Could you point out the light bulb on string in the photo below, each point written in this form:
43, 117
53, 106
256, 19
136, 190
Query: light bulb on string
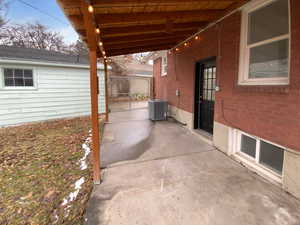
91, 9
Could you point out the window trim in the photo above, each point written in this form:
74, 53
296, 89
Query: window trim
163, 66
13, 88
243, 78
254, 162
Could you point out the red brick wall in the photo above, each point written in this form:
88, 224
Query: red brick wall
269, 112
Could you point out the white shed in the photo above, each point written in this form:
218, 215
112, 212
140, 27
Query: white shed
38, 85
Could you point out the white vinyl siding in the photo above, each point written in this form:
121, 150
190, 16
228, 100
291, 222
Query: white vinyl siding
60, 92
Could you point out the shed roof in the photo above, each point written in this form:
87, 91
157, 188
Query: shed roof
21, 53
131, 26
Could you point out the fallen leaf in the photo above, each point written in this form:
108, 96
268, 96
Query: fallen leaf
27, 196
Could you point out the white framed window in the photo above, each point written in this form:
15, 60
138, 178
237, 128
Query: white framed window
266, 155
17, 78
164, 65
265, 43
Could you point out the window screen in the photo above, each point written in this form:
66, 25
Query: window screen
18, 77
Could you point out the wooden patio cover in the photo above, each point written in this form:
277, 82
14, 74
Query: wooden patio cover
133, 26
119, 27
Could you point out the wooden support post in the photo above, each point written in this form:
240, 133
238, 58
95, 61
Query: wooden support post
94, 117
106, 93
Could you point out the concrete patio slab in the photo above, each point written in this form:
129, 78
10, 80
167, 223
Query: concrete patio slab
185, 183
132, 136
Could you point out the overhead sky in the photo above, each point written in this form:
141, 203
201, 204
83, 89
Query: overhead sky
19, 12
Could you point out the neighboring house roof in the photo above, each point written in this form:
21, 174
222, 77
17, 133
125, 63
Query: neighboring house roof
156, 54
20, 53
31, 56
136, 68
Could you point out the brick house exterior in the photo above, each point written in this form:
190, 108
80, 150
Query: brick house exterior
267, 112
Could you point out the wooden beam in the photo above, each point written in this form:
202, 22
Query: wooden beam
78, 22
133, 38
106, 92
148, 39
107, 3
139, 50
94, 116
170, 40
137, 3
144, 29
89, 26
139, 35
144, 6
111, 20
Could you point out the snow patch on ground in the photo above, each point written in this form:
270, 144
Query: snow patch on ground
83, 165
87, 151
72, 196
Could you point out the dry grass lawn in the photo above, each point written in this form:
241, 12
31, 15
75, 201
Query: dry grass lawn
39, 166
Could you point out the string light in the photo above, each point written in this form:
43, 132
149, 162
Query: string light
100, 43
103, 52
91, 9
177, 49
97, 30
185, 44
196, 38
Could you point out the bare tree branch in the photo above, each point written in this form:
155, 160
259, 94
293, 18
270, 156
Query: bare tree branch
3, 7
32, 36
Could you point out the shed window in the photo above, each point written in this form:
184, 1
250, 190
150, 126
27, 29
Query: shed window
265, 43
18, 77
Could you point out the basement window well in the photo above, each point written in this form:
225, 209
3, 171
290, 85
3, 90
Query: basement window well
261, 154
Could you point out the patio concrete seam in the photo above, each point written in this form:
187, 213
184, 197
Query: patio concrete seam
155, 159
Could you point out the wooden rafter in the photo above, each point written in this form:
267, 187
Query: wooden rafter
111, 20
136, 23
152, 47
139, 44
147, 37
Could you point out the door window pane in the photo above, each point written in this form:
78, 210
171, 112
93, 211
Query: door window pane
271, 156
268, 22
248, 145
269, 60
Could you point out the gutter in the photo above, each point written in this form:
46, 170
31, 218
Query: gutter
53, 64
